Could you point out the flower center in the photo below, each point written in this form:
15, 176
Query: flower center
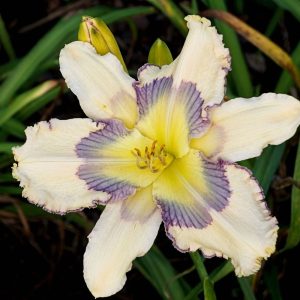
154, 158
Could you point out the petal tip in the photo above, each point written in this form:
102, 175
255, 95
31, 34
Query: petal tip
195, 18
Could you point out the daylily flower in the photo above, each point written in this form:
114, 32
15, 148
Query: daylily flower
159, 149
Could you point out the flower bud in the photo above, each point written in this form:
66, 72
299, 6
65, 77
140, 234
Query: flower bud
160, 54
96, 32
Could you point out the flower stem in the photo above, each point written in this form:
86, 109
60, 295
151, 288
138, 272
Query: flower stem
198, 262
209, 293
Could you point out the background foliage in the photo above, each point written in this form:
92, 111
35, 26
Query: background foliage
41, 253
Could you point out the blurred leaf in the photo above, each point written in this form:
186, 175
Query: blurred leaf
38, 103
277, 16
5, 160
246, 288
32, 211
6, 147
53, 41
273, 154
6, 68
277, 54
239, 73
173, 12
5, 40
6, 177
26, 98
267, 164
160, 273
293, 238
285, 81
10, 190
216, 275
293, 6
194, 7
271, 279
222, 271
239, 69
15, 128
45, 47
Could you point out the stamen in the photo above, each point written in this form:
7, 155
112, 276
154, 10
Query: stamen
153, 147
138, 152
153, 159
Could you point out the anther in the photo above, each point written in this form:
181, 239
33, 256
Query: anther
138, 152
152, 158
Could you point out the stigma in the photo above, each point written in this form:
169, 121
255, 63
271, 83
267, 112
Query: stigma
154, 158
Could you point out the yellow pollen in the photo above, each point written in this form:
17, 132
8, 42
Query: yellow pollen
153, 158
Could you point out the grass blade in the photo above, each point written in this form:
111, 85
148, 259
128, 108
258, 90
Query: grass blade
267, 164
173, 12
293, 238
216, 275
53, 41
5, 40
285, 81
269, 48
208, 287
209, 292
293, 6
239, 73
15, 128
7, 177
6, 147
46, 46
271, 279
26, 98
246, 288
158, 270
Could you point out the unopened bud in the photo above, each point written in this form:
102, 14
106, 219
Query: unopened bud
96, 32
160, 54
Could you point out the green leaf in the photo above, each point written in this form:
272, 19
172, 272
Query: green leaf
11, 190
160, 273
53, 41
198, 262
194, 7
209, 292
38, 103
222, 271
293, 6
293, 238
26, 98
6, 147
239, 73
216, 275
246, 288
285, 81
276, 18
271, 280
5, 41
45, 47
6, 177
267, 164
173, 12
208, 287
14, 128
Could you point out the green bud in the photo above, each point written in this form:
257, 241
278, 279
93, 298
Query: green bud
96, 32
160, 54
